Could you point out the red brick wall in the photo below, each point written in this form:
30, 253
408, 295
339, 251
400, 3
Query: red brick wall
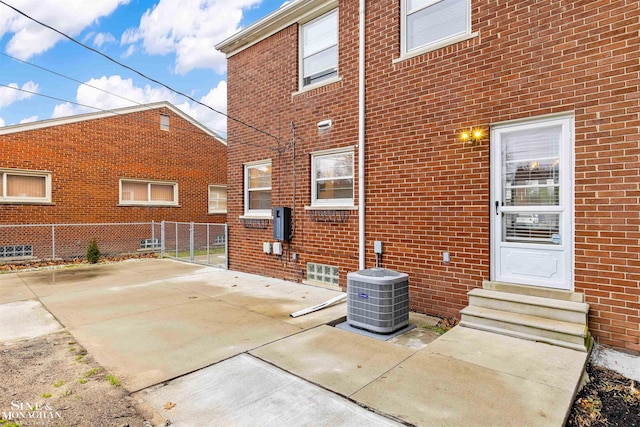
87, 159
427, 192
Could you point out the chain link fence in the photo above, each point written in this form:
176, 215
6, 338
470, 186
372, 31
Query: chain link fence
201, 243
195, 242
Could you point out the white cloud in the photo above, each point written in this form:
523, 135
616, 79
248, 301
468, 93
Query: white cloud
8, 96
216, 98
130, 50
29, 119
102, 38
70, 16
1, 122
190, 30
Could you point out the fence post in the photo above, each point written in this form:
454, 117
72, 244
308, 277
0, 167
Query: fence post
191, 241
226, 246
208, 250
162, 236
177, 239
53, 241
153, 235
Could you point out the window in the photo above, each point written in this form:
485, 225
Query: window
319, 44
320, 273
432, 23
16, 251
217, 199
25, 186
332, 178
136, 192
257, 186
164, 122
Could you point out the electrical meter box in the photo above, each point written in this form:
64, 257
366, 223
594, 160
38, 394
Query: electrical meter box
282, 223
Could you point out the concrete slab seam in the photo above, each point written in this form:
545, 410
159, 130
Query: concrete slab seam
349, 398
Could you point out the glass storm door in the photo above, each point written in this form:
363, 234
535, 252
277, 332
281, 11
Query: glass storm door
532, 203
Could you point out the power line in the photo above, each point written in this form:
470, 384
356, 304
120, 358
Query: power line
81, 83
140, 73
115, 112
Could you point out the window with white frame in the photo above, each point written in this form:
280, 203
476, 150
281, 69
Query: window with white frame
217, 199
431, 23
319, 49
257, 188
140, 192
332, 178
25, 186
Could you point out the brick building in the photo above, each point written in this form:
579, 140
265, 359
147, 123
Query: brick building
136, 164
477, 140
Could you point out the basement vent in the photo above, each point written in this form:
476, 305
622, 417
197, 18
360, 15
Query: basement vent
16, 251
378, 300
325, 274
150, 244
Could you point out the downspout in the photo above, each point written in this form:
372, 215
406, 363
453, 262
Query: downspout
361, 128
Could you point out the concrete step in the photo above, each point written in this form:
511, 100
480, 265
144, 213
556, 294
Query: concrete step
533, 291
548, 308
555, 332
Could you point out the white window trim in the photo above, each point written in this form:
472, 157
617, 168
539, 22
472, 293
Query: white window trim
214, 211
35, 200
148, 202
301, 86
456, 38
256, 213
331, 203
165, 126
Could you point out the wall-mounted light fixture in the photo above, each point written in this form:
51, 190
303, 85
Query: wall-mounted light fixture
472, 136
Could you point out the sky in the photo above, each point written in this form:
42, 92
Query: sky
44, 75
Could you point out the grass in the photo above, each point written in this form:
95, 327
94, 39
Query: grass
58, 383
91, 372
113, 380
46, 395
435, 328
5, 423
198, 252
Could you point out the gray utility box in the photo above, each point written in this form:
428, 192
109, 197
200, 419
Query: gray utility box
378, 300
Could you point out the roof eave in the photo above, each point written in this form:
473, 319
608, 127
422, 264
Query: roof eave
296, 11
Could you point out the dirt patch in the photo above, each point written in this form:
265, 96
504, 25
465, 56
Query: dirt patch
39, 264
608, 399
52, 381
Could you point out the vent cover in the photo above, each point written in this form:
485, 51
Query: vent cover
378, 300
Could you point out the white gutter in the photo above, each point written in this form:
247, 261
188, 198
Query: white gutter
361, 128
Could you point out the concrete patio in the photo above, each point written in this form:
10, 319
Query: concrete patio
222, 346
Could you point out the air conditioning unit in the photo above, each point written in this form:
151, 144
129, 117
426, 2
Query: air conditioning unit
378, 300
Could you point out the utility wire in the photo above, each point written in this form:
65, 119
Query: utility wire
81, 83
115, 112
140, 73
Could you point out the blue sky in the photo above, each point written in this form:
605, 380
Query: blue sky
171, 41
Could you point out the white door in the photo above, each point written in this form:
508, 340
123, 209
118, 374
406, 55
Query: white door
532, 202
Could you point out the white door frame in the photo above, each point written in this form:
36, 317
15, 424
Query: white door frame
567, 247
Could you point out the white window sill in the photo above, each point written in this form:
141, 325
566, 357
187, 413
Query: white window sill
148, 205
435, 46
317, 85
248, 216
330, 208
26, 202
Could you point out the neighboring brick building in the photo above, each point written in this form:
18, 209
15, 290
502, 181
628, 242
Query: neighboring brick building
546, 195
136, 164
